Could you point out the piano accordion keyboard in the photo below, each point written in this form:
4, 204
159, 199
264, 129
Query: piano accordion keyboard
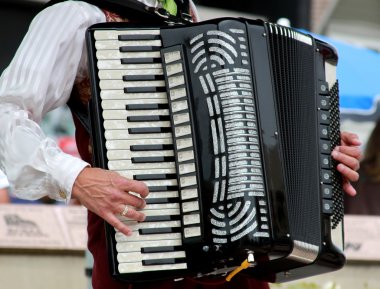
139, 145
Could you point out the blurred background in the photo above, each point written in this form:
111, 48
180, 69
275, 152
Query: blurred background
55, 236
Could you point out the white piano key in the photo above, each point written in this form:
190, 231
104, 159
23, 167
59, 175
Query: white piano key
123, 114
120, 104
127, 155
134, 154
165, 194
161, 212
150, 183
192, 232
120, 165
110, 50
121, 84
129, 173
138, 267
118, 138
163, 206
153, 213
115, 94
117, 135
114, 45
135, 226
122, 247
120, 237
116, 64
125, 144
114, 33
124, 124
118, 74
191, 219
138, 257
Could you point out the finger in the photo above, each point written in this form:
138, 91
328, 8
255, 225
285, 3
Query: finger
349, 138
351, 151
134, 201
348, 188
118, 225
135, 186
348, 173
131, 214
347, 160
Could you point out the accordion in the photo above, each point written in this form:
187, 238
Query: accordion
230, 123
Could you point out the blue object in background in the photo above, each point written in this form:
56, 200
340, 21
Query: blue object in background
358, 73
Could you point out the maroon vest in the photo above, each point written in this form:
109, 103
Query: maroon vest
101, 277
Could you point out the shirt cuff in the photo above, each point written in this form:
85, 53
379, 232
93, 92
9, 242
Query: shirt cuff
64, 173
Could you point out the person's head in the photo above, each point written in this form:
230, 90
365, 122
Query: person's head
371, 158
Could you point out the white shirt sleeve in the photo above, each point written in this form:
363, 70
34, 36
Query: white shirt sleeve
51, 57
3, 181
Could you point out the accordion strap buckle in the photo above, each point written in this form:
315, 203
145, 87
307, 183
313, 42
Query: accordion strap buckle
249, 262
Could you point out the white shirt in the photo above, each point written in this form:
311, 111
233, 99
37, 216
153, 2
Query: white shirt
50, 59
3, 181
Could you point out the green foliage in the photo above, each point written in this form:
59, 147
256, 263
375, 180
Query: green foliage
170, 6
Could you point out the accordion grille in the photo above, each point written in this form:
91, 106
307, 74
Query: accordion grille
293, 66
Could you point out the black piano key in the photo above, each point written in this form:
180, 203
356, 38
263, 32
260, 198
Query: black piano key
125, 37
150, 201
143, 77
147, 106
166, 218
152, 231
163, 261
145, 60
162, 188
147, 177
137, 160
139, 148
138, 48
146, 118
161, 249
144, 89
145, 130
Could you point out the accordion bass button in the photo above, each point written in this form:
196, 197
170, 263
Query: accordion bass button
327, 206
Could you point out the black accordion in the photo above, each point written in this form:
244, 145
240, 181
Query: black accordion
230, 123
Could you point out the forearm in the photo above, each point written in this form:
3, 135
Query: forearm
34, 164
50, 59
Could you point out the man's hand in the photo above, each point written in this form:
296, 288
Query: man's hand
348, 155
106, 193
